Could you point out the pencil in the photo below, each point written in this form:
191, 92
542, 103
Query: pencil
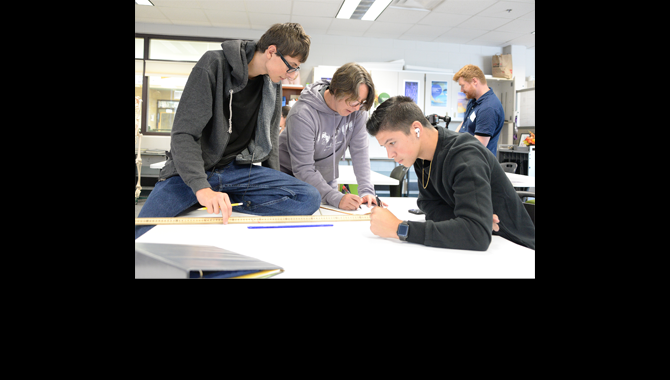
234, 204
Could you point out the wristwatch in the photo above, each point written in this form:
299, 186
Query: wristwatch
403, 230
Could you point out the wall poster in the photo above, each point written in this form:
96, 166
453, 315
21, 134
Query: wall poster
438, 93
461, 106
412, 90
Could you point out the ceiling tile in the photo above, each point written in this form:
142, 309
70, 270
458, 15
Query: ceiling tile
343, 27
316, 9
479, 22
404, 16
443, 19
527, 40
176, 3
519, 26
266, 20
184, 14
313, 25
223, 5
482, 22
149, 12
386, 30
494, 38
499, 9
349, 25
464, 7
423, 32
153, 20
279, 7
459, 36
232, 19
529, 15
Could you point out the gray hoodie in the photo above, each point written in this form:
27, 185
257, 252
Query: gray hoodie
307, 151
200, 132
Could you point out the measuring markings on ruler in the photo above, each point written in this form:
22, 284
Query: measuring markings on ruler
253, 219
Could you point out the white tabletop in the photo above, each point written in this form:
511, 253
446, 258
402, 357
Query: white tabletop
519, 180
157, 165
347, 177
350, 250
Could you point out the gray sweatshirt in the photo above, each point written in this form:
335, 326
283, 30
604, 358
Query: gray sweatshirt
201, 133
315, 140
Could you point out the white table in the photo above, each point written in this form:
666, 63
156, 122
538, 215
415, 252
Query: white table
158, 165
350, 250
347, 177
519, 180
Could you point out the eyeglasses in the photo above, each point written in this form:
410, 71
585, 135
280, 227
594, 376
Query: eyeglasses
291, 69
356, 104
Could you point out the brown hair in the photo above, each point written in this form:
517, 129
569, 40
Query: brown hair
289, 38
468, 72
346, 81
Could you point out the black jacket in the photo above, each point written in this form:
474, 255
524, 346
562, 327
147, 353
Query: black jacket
467, 186
201, 132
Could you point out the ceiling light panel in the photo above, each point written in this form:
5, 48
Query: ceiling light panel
362, 9
347, 8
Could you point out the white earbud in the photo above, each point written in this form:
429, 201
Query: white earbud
417, 131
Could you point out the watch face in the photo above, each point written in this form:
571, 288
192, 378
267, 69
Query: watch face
402, 230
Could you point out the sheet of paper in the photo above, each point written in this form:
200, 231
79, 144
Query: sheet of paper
361, 211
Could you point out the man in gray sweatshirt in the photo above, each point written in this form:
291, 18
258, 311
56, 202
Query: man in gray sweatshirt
228, 119
329, 117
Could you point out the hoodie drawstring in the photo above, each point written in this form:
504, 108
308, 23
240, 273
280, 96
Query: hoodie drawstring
230, 108
335, 162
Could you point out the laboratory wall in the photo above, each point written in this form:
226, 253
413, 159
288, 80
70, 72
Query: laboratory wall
338, 50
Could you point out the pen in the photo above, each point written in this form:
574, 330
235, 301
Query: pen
344, 188
379, 202
292, 226
234, 204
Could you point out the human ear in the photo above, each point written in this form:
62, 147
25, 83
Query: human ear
418, 128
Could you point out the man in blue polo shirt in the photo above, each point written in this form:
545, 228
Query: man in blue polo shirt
484, 115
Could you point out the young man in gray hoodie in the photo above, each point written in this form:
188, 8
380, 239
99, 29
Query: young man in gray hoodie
329, 117
228, 118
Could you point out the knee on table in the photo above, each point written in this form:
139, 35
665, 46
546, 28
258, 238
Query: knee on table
312, 197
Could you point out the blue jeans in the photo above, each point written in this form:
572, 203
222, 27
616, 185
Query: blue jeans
270, 192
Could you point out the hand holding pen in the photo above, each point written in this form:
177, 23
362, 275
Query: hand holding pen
366, 199
379, 202
215, 202
349, 201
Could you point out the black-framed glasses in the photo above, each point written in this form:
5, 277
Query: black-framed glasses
291, 69
356, 104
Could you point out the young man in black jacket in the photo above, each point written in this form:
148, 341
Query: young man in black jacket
228, 119
461, 184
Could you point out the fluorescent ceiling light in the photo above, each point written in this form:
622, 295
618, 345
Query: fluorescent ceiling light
376, 9
347, 8
144, 2
362, 9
